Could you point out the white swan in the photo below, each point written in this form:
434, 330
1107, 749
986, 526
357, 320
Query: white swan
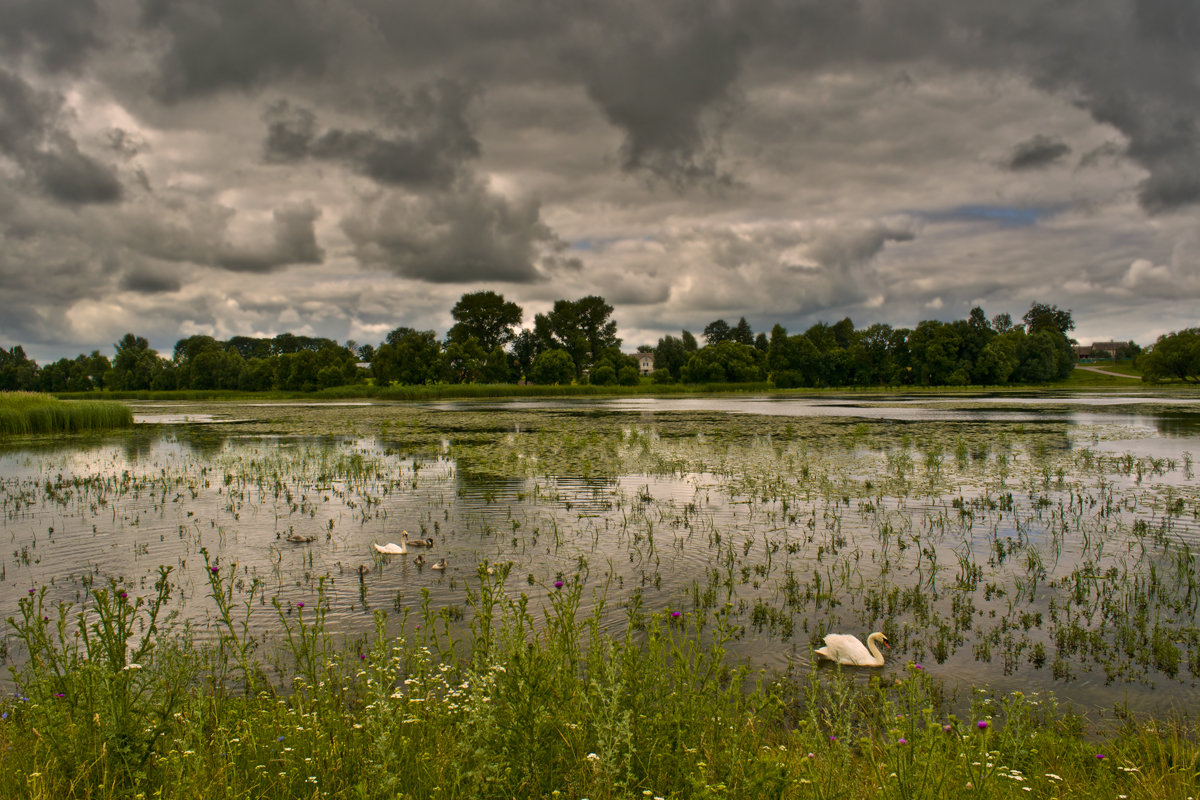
846, 649
391, 549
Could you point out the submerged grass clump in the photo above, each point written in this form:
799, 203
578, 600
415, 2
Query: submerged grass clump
23, 413
115, 701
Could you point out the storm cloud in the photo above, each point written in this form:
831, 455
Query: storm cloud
343, 168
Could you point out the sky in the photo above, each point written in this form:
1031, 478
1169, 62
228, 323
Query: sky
341, 169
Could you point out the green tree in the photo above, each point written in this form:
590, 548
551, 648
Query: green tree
727, 362
487, 317
1174, 355
582, 327
742, 333
18, 373
716, 332
408, 356
670, 355
552, 367
135, 364
1043, 317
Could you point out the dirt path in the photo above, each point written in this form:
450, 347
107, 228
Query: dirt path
1099, 371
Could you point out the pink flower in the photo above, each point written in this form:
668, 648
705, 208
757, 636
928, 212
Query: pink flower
982, 724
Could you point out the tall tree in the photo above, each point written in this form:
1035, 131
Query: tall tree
134, 364
487, 317
582, 327
742, 333
716, 332
1041, 317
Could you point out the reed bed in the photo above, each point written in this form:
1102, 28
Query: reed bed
24, 413
528, 702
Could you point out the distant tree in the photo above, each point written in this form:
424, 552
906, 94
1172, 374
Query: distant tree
843, 333
689, 341
645, 348
727, 362
408, 357
462, 361
135, 363
716, 332
487, 317
741, 333
552, 367
1174, 355
760, 342
582, 327
670, 355
249, 347
1002, 323
525, 348
17, 371
365, 352
498, 367
1043, 317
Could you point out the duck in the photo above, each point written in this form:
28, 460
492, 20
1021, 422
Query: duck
426, 542
846, 649
391, 549
296, 538
439, 564
419, 561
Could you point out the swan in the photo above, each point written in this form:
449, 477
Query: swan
846, 649
439, 564
418, 542
296, 538
419, 561
391, 549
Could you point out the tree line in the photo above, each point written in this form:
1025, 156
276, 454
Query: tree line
577, 342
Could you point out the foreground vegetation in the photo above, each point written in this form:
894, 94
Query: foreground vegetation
30, 413
114, 702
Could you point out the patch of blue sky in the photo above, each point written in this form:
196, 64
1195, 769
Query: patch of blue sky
1007, 216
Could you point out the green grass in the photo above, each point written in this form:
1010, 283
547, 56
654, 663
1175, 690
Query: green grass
23, 413
526, 703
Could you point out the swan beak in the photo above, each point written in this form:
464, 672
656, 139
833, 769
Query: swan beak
885, 644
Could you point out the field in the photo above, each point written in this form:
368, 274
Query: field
633, 591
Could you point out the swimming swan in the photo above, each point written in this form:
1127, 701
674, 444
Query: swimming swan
418, 542
846, 649
439, 564
391, 549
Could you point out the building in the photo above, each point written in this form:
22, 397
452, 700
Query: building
1108, 350
645, 363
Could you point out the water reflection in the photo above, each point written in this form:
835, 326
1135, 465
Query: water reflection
984, 542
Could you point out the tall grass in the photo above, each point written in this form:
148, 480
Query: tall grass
23, 413
526, 703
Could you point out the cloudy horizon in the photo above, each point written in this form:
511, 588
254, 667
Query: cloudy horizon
181, 167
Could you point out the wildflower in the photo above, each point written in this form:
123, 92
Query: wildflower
676, 614
129, 667
59, 694
214, 570
1053, 777
947, 728
982, 724
1099, 756
592, 757
4, 715
903, 741
299, 605
833, 738
558, 584
33, 591
363, 656
918, 666
123, 595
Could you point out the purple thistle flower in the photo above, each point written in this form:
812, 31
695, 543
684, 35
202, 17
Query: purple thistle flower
676, 614
214, 570
917, 666
903, 741
299, 605
1099, 756
947, 728
59, 694
123, 595
558, 584
833, 738
982, 724
33, 591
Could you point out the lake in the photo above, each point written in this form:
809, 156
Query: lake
1041, 542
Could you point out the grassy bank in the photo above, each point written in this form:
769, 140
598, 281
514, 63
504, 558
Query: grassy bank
30, 413
520, 702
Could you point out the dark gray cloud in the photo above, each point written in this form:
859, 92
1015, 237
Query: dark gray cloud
59, 33
230, 44
428, 137
293, 241
149, 279
462, 234
31, 135
1037, 152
